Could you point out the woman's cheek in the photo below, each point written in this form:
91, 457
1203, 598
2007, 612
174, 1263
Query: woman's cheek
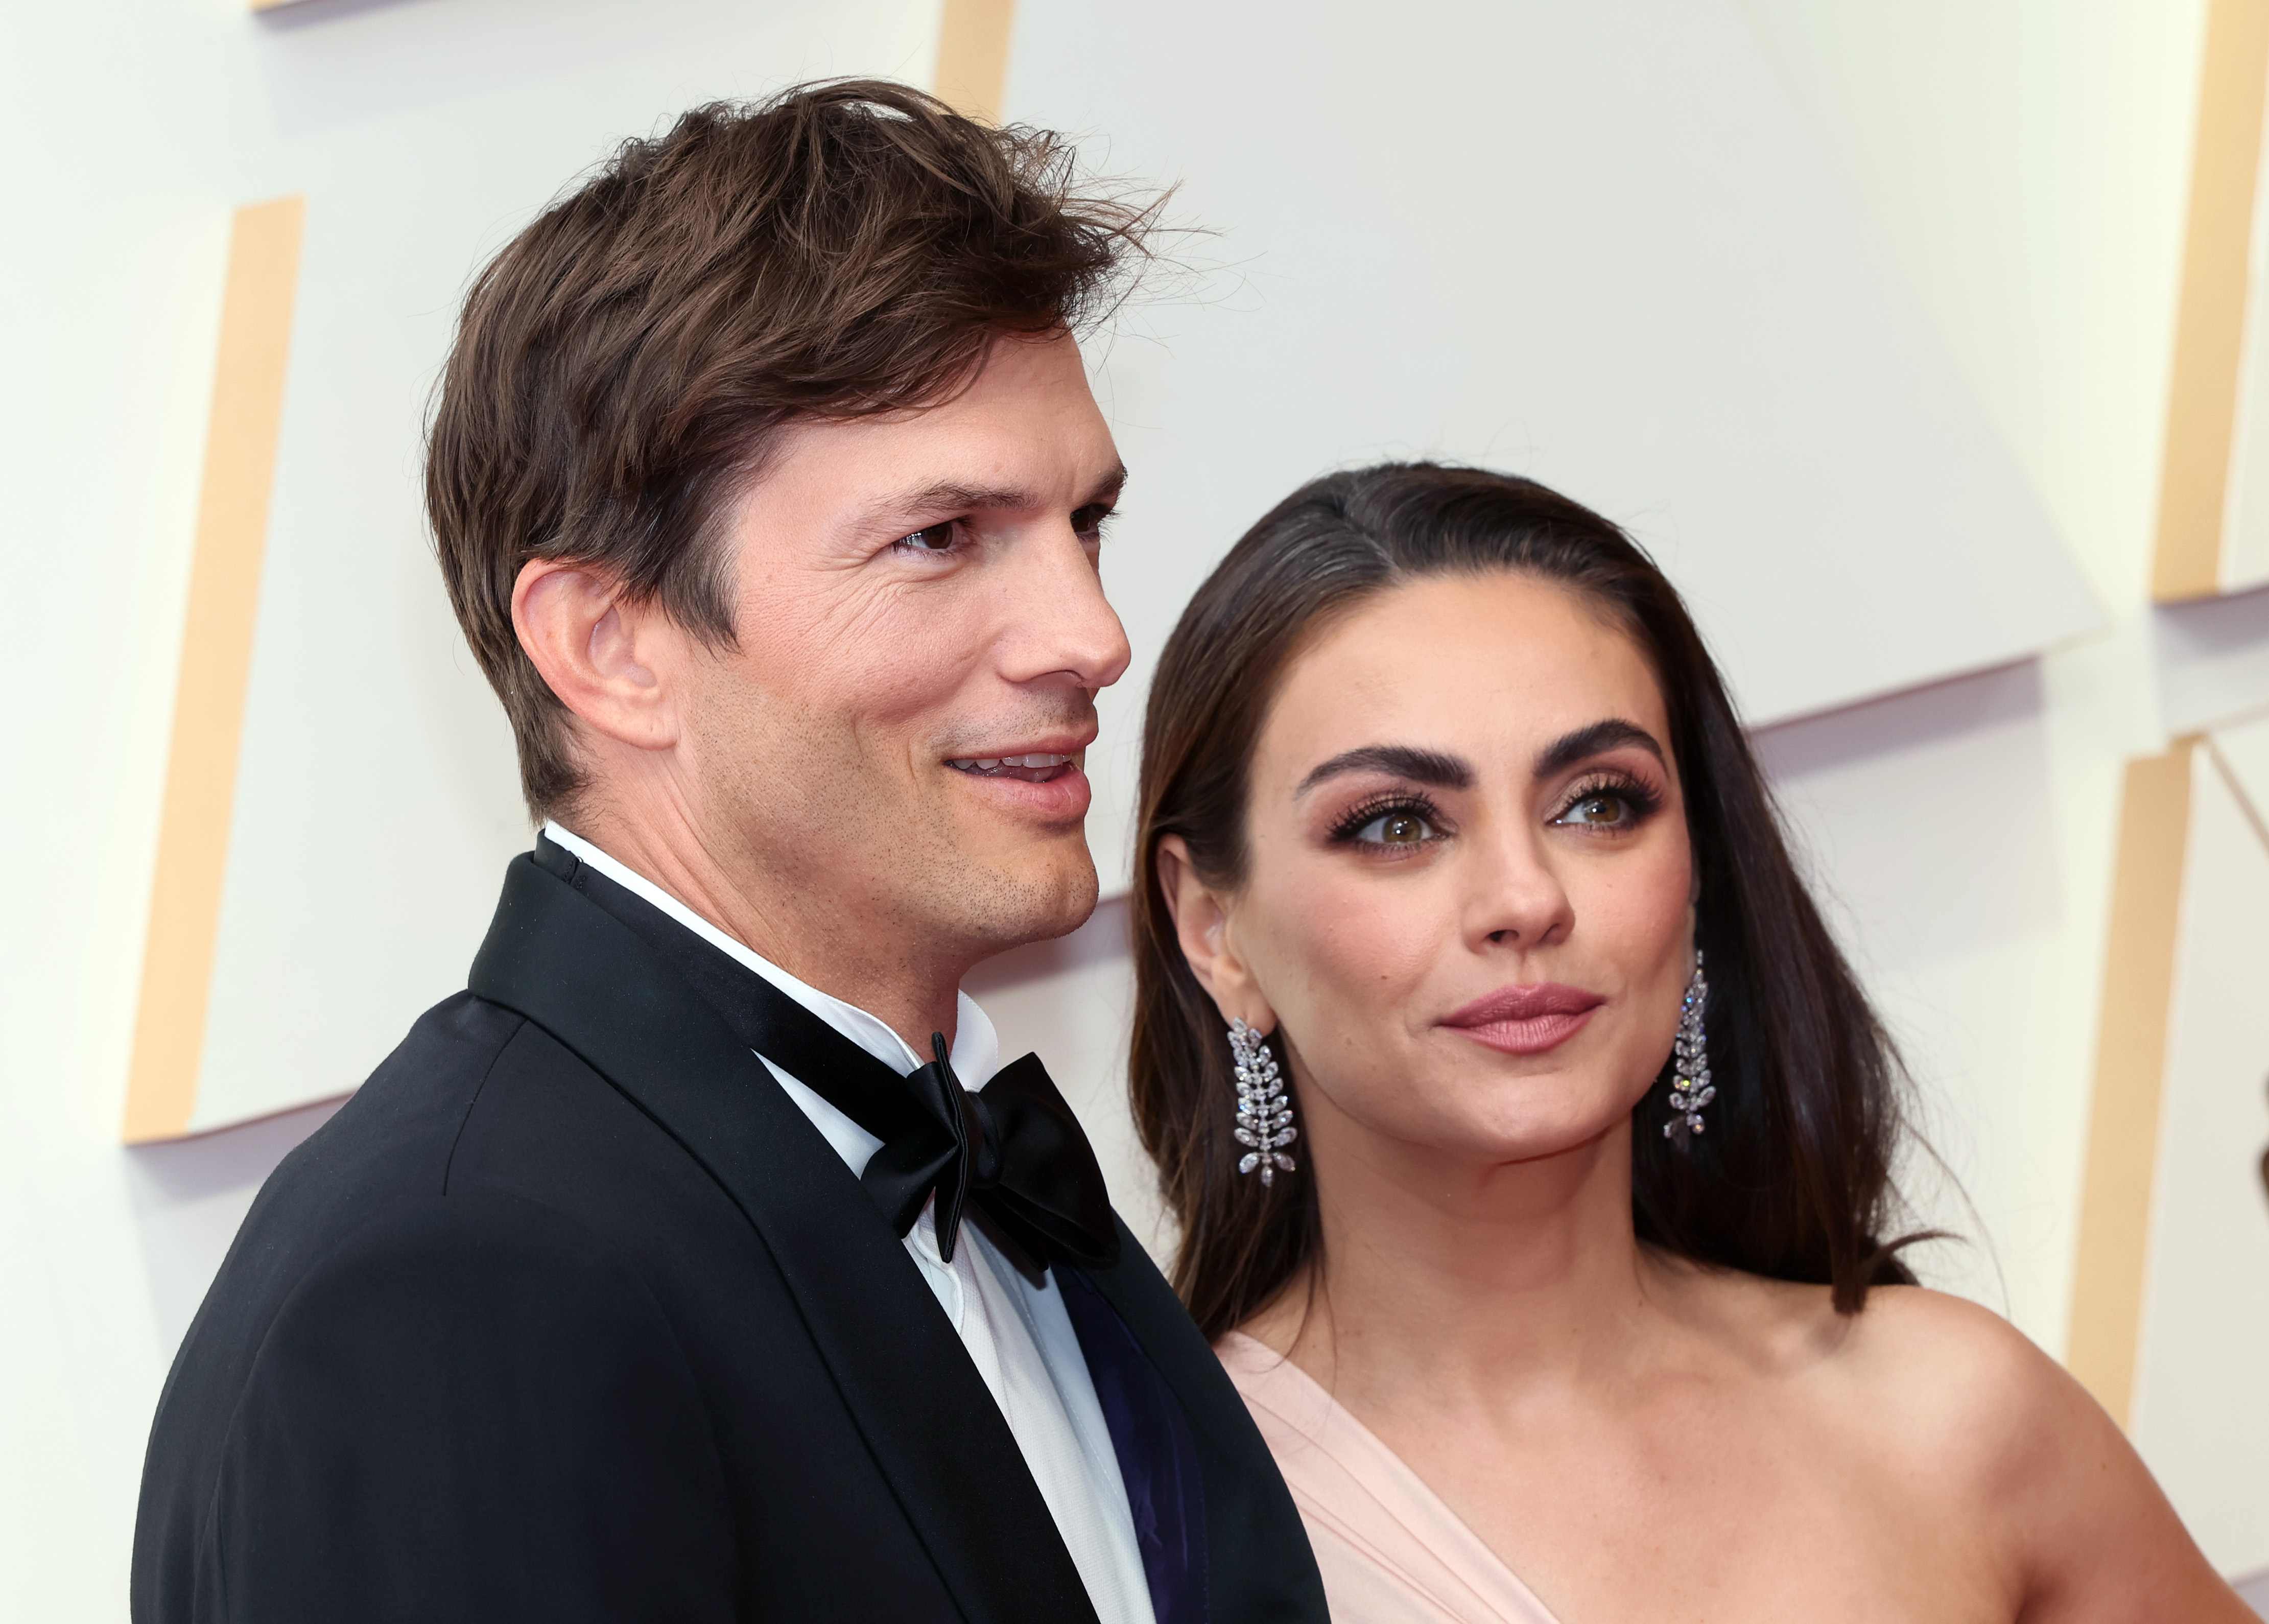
1640, 912
1361, 942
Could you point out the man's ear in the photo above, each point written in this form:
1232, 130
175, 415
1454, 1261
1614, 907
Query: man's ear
1201, 924
596, 652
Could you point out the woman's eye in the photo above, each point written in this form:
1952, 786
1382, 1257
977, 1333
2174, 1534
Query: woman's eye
937, 538
1601, 811
1396, 828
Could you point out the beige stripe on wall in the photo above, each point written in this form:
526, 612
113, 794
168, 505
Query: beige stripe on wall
2210, 328
231, 534
973, 56
2123, 1137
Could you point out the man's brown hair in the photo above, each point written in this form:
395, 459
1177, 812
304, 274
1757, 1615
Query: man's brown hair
620, 368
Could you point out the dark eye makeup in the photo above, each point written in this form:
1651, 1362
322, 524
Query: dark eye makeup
1398, 820
1608, 802
1403, 820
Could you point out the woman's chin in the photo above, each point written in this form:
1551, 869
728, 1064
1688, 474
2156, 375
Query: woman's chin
1531, 1133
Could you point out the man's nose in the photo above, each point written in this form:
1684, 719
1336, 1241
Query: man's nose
1058, 620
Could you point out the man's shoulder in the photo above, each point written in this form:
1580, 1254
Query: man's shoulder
476, 1102
475, 1096
392, 1138
387, 1147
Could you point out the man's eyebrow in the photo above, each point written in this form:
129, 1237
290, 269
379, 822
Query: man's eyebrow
1402, 761
1602, 736
1108, 487
948, 496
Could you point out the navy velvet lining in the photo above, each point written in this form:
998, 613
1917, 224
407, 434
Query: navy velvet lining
1157, 1453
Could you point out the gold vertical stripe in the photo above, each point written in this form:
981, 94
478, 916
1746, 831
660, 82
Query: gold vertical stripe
2210, 328
239, 471
973, 56
2131, 1061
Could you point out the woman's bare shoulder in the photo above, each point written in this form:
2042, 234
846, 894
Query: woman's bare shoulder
1954, 1392
1908, 1342
1938, 1357
1956, 1395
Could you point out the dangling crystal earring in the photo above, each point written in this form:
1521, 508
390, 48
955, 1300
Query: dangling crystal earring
1264, 1116
1690, 1088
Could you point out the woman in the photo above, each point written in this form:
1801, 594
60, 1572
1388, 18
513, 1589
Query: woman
1556, 1264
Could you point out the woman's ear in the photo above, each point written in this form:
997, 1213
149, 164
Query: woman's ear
592, 650
1201, 916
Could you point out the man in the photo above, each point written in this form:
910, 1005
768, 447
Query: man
680, 1269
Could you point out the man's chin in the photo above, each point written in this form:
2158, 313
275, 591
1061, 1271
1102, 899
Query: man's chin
1042, 896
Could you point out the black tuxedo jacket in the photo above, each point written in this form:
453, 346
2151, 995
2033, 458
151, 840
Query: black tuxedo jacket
571, 1315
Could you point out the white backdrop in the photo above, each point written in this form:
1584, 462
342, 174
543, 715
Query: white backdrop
1599, 245
1596, 244
2202, 1410
2025, 163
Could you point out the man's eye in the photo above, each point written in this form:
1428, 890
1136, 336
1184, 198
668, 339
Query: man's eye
1396, 828
937, 538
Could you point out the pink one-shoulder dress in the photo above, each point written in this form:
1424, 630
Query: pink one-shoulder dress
1391, 1552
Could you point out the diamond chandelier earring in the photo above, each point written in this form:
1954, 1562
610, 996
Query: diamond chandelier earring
1690, 1088
1264, 1116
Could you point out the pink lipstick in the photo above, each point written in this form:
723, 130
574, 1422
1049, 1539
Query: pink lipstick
1525, 1020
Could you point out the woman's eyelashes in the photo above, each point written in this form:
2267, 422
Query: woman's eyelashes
1402, 821
1395, 825
1607, 803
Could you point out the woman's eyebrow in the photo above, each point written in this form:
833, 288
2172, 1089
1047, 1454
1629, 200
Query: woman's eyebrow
1597, 739
1402, 761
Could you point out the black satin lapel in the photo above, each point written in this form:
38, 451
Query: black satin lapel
556, 958
1258, 1566
762, 1016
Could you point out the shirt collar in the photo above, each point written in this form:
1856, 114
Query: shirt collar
976, 1044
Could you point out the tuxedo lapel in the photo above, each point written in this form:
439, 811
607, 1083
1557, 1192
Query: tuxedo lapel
1251, 1555
563, 961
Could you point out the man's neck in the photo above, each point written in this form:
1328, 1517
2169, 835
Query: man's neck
814, 937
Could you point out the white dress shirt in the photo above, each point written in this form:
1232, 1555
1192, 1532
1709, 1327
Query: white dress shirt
1018, 1334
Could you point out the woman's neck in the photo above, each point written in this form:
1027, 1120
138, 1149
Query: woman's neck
1439, 1277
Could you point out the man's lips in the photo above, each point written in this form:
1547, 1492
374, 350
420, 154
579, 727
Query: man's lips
1033, 760
1035, 779
1032, 767
1525, 1020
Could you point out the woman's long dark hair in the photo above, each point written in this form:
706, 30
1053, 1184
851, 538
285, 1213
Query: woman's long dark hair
1793, 1178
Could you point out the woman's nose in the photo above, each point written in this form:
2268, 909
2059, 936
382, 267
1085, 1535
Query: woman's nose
1518, 900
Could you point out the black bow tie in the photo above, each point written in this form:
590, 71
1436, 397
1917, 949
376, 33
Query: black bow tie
1010, 1157
1014, 1147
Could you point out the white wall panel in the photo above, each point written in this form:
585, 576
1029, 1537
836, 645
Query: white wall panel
376, 798
2211, 660
1597, 244
2201, 1405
